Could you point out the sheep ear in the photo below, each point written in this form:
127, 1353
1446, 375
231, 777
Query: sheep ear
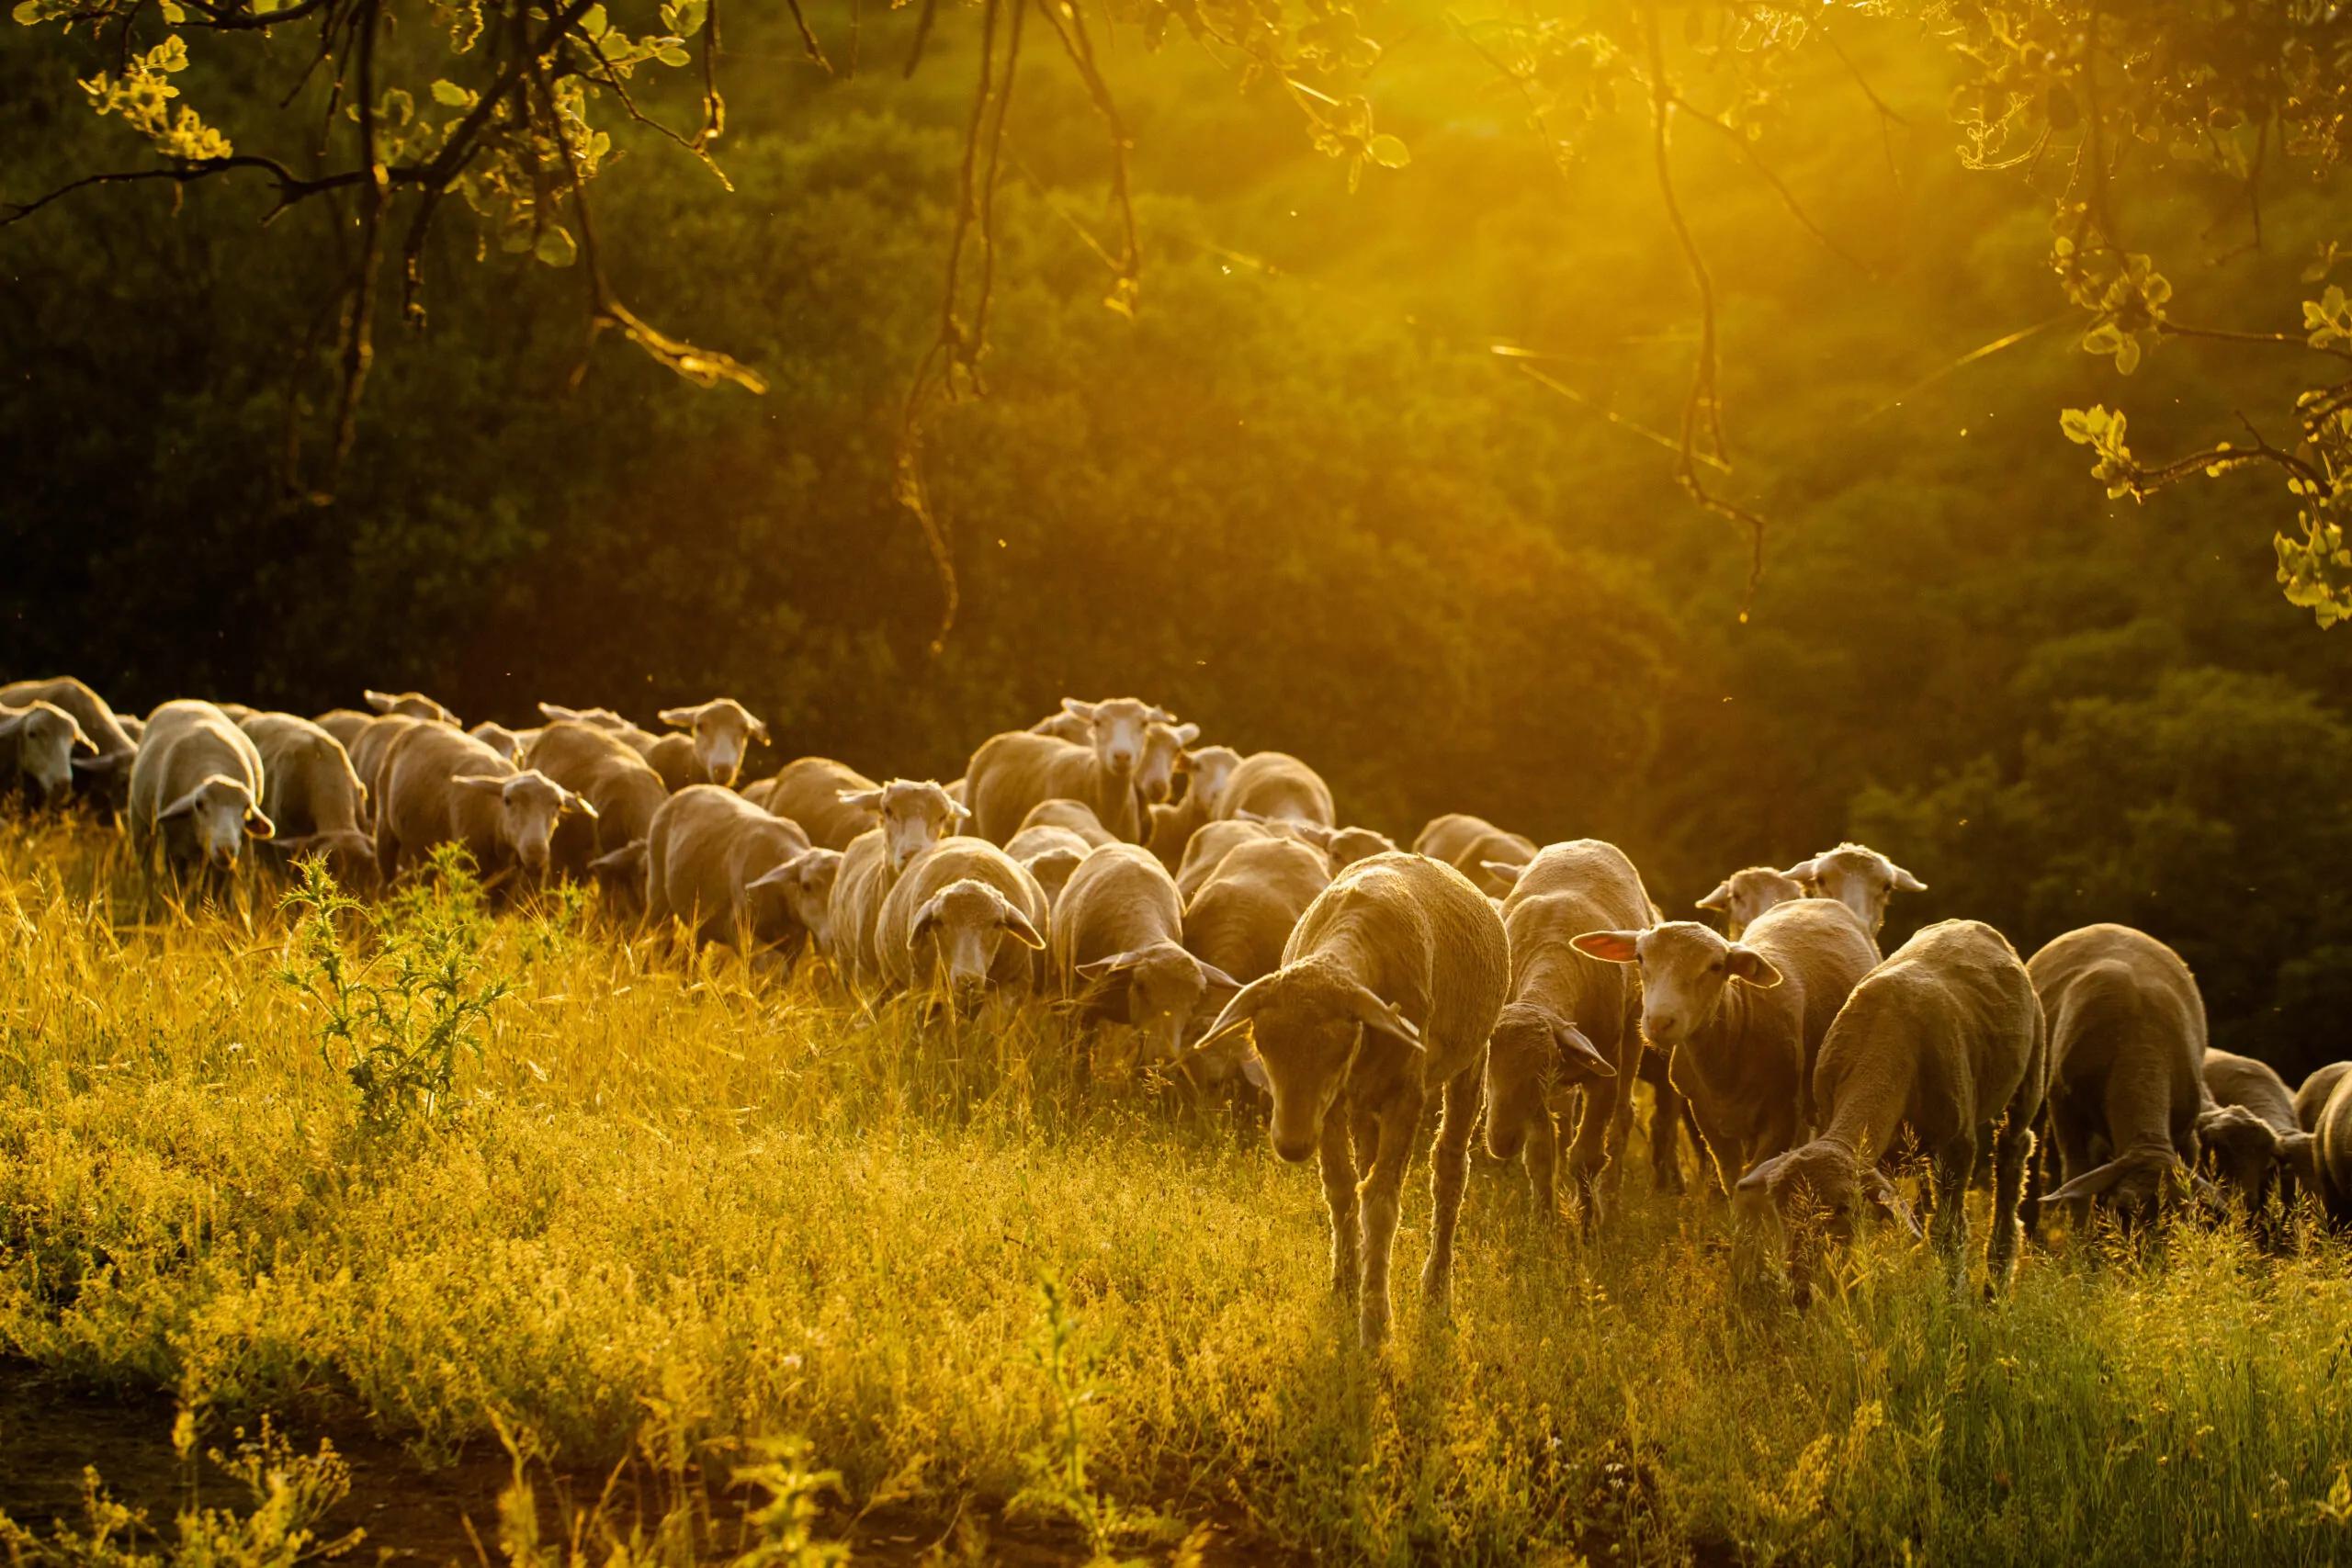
1082, 710
2094, 1182
863, 799
1503, 871
1238, 1010
1187, 733
1312, 834
627, 858
258, 825
957, 811
1880, 1194
13, 720
1104, 968
1764, 1179
2299, 1152
1161, 716
760, 730
1583, 1061
1217, 977
555, 712
578, 805
1803, 871
925, 918
1018, 925
380, 701
1745, 964
776, 877
1378, 1015
1719, 901
1906, 883
679, 718
481, 783
181, 806
99, 767
84, 741
1610, 947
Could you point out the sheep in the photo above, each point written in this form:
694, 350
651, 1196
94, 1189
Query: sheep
1276, 784
313, 796
1243, 913
721, 733
1345, 846
1163, 748
600, 718
670, 756
812, 791
1050, 854
604, 770
1215, 841
709, 856
1074, 816
441, 785
1444, 837
1948, 1038
1744, 895
2127, 1057
1118, 945
805, 882
2332, 1130
913, 817
1013, 772
1388, 990
136, 728
196, 789
105, 775
963, 918
37, 741
1492, 861
1858, 878
415, 705
2256, 1133
343, 724
1205, 771
2311, 1097
506, 742
1744, 1052
372, 744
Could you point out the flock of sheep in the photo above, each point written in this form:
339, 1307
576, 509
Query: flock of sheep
1212, 908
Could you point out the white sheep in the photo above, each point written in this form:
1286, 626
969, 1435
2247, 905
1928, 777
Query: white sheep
709, 853
1118, 947
105, 773
2311, 1096
195, 788
37, 743
912, 817
414, 705
1013, 772
817, 792
2253, 1135
721, 735
313, 798
1858, 878
963, 920
1276, 784
1744, 896
1050, 854
604, 770
441, 785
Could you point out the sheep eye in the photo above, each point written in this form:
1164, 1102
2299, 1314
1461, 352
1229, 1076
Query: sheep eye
1716, 967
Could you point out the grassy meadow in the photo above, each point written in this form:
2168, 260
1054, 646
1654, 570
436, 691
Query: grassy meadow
666, 1213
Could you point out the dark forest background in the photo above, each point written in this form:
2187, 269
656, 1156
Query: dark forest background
1299, 499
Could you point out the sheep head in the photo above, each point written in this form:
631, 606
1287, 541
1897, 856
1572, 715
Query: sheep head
1685, 967
1308, 1021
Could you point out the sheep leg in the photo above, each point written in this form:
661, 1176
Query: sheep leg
1544, 1165
1589, 1156
1380, 1194
2012, 1147
1947, 1174
1448, 1168
1339, 1193
1667, 1113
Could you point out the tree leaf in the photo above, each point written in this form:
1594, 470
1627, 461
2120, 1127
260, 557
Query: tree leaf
448, 92
1388, 151
554, 247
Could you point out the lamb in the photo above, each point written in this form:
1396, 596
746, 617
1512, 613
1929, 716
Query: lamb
1205, 772
196, 789
1276, 785
414, 705
313, 796
1118, 946
721, 733
913, 818
441, 785
2310, 1097
815, 792
1050, 854
104, 774
709, 853
604, 770
1945, 1038
1011, 773
2251, 1132
2127, 1059
1388, 990
1744, 1020
963, 918
1569, 1021
1744, 896
1073, 815
37, 741
1242, 916
1860, 878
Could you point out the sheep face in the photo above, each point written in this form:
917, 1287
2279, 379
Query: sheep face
1533, 1054
1166, 986
1119, 726
1861, 879
724, 732
958, 933
219, 815
1308, 1024
805, 885
529, 804
413, 705
914, 815
2242, 1150
46, 736
1744, 895
1685, 967
1162, 745
1207, 771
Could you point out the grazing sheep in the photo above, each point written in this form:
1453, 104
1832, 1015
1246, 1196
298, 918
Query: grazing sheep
1860, 878
964, 918
805, 882
1050, 854
1242, 916
604, 770
913, 818
313, 796
2127, 1060
1013, 772
196, 789
2310, 1097
372, 744
1074, 816
1569, 1021
1745, 1020
344, 724
708, 854
2332, 1129
2250, 1134
1388, 990
1206, 771
105, 775
1945, 1038
721, 734
1118, 945
415, 705
1492, 859
1746, 894
441, 785
815, 792
1163, 748
1214, 841
1276, 784
37, 745
506, 742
